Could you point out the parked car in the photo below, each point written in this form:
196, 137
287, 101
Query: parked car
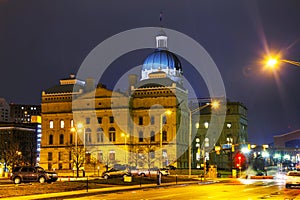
32, 174
115, 173
292, 179
171, 167
134, 171
153, 171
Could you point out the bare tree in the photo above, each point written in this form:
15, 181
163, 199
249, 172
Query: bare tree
10, 154
77, 157
144, 154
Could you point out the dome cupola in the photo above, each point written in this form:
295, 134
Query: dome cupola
162, 60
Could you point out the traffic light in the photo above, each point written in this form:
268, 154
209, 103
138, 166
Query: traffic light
239, 160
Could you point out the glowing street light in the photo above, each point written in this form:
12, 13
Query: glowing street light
273, 62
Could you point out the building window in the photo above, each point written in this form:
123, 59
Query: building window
206, 124
72, 123
60, 156
164, 120
152, 120
112, 134
164, 136
164, 153
62, 124
141, 136
49, 166
61, 139
51, 124
71, 139
99, 120
99, 135
152, 154
100, 157
60, 165
228, 125
111, 119
50, 139
50, 158
87, 120
152, 136
112, 155
140, 120
70, 155
88, 137
88, 158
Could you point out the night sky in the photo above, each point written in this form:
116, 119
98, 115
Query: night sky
44, 41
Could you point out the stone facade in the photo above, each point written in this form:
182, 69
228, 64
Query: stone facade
117, 128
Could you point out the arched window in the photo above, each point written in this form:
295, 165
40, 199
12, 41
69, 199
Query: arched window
141, 136
51, 139
112, 134
51, 124
99, 135
152, 120
62, 124
61, 139
88, 135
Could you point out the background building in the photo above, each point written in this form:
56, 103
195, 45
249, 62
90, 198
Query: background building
21, 113
18, 144
4, 111
233, 138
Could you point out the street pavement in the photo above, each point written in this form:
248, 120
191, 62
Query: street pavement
80, 193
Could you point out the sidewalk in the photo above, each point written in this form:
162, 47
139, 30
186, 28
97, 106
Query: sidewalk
80, 193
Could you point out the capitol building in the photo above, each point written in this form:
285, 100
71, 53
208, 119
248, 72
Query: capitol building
85, 125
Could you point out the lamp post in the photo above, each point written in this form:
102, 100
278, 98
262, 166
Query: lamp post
272, 62
125, 144
75, 130
214, 104
168, 112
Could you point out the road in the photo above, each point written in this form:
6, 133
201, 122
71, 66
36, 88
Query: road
248, 190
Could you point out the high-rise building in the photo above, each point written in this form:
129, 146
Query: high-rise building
4, 111
22, 113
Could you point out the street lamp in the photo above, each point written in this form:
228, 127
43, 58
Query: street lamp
168, 112
215, 105
125, 136
75, 130
273, 62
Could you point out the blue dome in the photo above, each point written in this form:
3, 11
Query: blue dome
162, 59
